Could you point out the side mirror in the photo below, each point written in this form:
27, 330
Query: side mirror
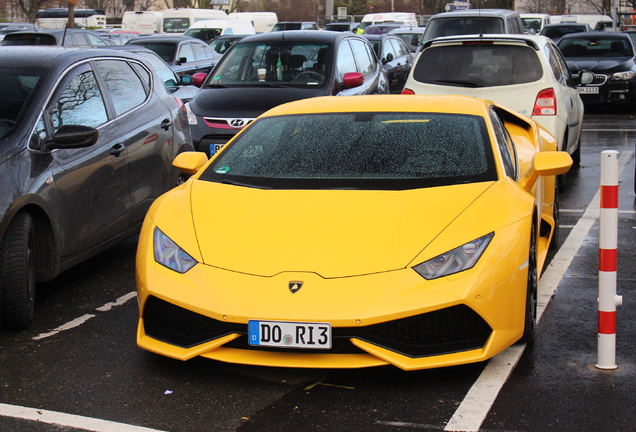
550, 163
182, 60
388, 58
353, 79
586, 77
198, 78
186, 80
190, 162
73, 136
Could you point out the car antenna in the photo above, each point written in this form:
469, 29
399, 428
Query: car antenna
481, 33
64, 36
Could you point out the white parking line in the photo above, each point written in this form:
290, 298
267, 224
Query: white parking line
68, 420
473, 410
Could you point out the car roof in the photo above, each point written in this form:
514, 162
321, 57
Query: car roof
297, 36
566, 24
477, 12
52, 56
596, 35
408, 30
534, 41
375, 37
454, 104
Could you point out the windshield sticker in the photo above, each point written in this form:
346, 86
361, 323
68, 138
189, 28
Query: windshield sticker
252, 151
216, 78
223, 170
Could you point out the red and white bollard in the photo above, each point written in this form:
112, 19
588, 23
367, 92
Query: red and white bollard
608, 242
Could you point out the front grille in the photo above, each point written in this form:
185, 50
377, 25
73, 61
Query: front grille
174, 325
599, 79
444, 331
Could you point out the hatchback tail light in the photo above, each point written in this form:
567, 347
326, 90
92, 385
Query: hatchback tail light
182, 106
545, 103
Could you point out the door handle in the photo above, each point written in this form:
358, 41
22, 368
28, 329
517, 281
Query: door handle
165, 125
117, 149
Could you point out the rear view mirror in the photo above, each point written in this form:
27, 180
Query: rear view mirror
73, 136
186, 80
353, 79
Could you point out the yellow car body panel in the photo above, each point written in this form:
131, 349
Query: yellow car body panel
353, 250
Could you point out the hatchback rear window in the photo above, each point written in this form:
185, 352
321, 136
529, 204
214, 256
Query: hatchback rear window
488, 65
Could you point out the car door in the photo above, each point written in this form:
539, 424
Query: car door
568, 93
91, 183
204, 57
147, 125
356, 55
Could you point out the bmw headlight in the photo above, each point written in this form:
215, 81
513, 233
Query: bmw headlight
192, 118
623, 76
454, 261
169, 254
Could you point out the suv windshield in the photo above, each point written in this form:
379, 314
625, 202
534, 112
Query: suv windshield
17, 85
371, 151
470, 65
460, 26
274, 63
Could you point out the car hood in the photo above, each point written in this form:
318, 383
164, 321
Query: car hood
334, 233
600, 65
246, 102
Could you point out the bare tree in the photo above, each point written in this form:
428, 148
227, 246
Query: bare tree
30, 8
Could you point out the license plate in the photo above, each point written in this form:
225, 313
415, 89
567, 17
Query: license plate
285, 334
588, 90
215, 148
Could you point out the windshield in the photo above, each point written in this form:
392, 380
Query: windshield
460, 26
164, 50
175, 25
471, 65
17, 88
373, 151
207, 35
596, 47
275, 63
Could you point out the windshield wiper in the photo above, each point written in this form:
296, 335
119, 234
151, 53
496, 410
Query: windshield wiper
237, 183
458, 82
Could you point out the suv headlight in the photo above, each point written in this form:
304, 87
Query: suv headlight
459, 259
623, 76
169, 254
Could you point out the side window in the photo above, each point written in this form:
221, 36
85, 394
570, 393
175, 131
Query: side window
74, 40
399, 48
124, 86
94, 40
161, 69
363, 57
81, 103
201, 51
388, 48
505, 144
186, 51
345, 61
558, 65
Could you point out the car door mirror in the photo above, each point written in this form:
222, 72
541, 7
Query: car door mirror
586, 77
182, 60
353, 79
388, 58
190, 162
198, 78
73, 136
186, 80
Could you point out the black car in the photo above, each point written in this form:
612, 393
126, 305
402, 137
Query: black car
342, 26
184, 54
396, 58
610, 57
62, 37
262, 71
221, 44
295, 25
87, 138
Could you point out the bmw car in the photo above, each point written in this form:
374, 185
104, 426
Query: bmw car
354, 232
610, 57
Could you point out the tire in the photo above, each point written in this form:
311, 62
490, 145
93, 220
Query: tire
556, 235
17, 274
530, 319
576, 156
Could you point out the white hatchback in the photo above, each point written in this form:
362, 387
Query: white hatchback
523, 72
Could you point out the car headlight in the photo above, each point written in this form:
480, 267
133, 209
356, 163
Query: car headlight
623, 76
454, 261
192, 118
169, 254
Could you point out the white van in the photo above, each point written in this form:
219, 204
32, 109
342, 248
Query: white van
263, 22
142, 22
177, 21
208, 30
397, 17
534, 23
600, 21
